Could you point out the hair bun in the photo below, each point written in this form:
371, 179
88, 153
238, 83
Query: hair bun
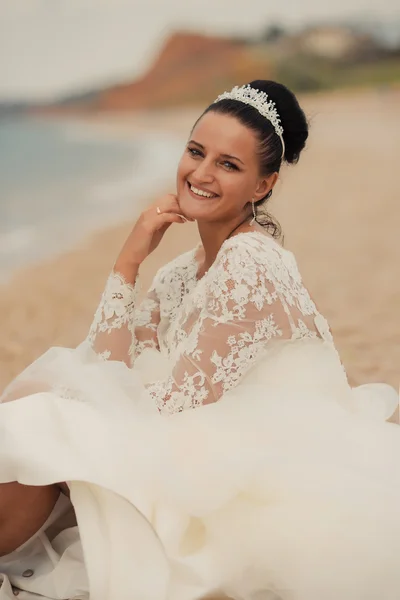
293, 119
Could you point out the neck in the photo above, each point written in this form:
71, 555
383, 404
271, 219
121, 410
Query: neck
213, 236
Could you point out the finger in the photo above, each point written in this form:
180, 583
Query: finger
186, 218
168, 204
176, 208
182, 217
169, 218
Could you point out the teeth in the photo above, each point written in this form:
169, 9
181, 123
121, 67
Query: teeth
200, 192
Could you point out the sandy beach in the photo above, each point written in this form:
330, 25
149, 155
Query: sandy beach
340, 212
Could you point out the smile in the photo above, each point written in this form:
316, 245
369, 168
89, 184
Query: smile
201, 193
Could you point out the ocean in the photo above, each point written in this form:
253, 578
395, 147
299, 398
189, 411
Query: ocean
60, 180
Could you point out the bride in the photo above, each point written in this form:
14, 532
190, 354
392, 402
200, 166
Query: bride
283, 484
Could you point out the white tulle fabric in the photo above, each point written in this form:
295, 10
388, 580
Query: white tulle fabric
283, 485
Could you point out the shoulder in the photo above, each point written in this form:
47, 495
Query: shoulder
258, 254
252, 269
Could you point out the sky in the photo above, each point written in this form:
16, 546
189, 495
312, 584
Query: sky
53, 47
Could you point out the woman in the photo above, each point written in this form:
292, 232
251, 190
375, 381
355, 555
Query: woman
284, 485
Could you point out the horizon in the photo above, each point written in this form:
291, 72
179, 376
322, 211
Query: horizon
52, 49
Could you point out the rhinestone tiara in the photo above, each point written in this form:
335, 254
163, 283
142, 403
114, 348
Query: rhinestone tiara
258, 100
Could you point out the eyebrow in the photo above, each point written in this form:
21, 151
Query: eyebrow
224, 155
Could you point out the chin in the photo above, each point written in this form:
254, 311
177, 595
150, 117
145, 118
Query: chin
193, 210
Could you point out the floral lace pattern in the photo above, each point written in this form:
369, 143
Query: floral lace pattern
112, 329
243, 350
213, 329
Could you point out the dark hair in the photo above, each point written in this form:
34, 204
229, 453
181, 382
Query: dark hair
295, 133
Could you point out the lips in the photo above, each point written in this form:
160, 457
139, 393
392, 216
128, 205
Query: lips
199, 192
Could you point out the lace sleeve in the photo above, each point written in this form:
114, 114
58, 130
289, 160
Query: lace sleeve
250, 298
120, 330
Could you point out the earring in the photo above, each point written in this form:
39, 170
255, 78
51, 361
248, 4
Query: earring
253, 206
268, 195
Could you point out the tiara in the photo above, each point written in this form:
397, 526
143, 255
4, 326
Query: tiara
258, 100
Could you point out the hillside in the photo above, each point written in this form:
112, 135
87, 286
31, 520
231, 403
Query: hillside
190, 68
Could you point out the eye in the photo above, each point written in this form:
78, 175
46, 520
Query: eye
230, 166
194, 151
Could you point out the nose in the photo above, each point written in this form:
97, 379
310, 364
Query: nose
204, 172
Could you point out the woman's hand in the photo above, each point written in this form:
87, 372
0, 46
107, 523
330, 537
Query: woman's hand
148, 231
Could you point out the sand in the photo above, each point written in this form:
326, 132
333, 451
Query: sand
339, 209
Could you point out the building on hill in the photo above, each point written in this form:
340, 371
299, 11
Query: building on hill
336, 42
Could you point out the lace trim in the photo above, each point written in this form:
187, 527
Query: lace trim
115, 311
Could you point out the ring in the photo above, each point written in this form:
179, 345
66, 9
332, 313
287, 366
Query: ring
158, 209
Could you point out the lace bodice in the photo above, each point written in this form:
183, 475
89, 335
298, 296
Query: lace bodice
213, 330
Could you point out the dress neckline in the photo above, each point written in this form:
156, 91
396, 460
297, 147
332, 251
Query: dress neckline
225, 243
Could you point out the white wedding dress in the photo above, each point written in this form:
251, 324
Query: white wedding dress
283, 483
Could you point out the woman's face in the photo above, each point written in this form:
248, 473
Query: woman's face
218, 174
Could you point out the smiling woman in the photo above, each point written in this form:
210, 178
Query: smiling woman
283, 483
219, 160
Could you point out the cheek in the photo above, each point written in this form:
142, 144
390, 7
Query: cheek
235, 186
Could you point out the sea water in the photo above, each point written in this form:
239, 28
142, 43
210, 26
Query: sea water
60, 180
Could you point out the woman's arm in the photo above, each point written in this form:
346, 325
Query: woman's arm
121, 329
112, 334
